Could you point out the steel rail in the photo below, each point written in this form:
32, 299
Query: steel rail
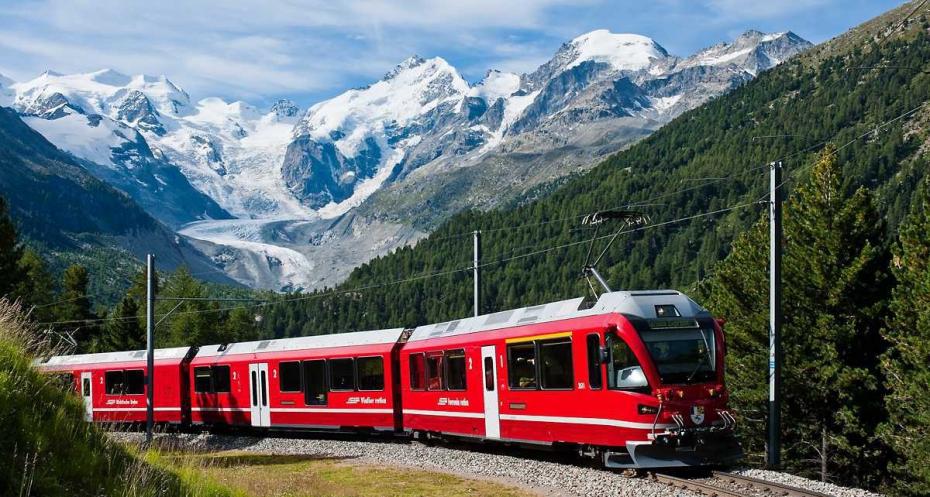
768, 486
697, 486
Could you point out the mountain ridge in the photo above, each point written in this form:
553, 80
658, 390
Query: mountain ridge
61, 207
397, 156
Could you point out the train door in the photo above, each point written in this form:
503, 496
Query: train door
258, 387
86, 396
492, 419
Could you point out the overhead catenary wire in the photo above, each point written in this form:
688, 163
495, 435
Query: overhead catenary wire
881, 126
650, 201
423, 276
62, 301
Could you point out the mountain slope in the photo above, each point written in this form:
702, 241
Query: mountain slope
508, 133
101, 118
708, 159
391, 159
72, 215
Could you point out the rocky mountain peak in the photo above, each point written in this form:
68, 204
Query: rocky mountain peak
165, 95
622, 51
496, 84
753, 34
408, 63
136, 109
416, 69
285, 108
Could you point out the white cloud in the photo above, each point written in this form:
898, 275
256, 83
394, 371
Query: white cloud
253, 49
243, 48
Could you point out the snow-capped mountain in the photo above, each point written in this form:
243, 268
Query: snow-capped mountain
143, 134
424, 115
103, 119
353, 142
310, 187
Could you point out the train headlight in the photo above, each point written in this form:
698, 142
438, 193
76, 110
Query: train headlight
644, 409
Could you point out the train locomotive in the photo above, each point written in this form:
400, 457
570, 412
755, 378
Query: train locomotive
635, 380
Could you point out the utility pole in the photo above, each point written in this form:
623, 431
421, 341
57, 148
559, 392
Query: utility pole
477, 269
150, 347
775, 315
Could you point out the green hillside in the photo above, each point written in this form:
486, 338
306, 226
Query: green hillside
709, 159
46, 447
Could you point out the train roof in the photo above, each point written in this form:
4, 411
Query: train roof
374, 337
636, 303
108, 357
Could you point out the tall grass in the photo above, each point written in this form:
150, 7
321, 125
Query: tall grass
47, 449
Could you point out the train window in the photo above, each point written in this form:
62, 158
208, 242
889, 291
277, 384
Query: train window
489, 374
114, 381
623, 369
86, 387
555, 364
289, 376
203, 379
135, 382
455, 369
521, 366
221, 379
370, 373
315, 383
434, 372
254, 384
595, 381
342, 375
417, 371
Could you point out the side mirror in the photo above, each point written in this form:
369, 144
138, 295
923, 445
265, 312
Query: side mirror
632, 377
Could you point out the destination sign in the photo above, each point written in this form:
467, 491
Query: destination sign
672, 323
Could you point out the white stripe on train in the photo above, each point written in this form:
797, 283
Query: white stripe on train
450, 414
546, 419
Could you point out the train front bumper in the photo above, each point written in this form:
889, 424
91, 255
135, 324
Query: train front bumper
679, 449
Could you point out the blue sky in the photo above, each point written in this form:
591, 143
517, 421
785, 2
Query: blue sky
308, 50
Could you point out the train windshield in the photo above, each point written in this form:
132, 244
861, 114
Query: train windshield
682, 356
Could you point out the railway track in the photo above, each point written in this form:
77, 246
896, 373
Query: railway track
723, 484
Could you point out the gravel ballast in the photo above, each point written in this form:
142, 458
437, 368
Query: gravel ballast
805, 483
544, 476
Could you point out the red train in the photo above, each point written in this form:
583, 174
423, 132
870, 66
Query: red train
636, 380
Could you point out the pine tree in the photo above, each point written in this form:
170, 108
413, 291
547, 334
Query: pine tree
11, 275
194, 322
240, 326
835, 287
123, 331
75, 307
37, 288
906, 365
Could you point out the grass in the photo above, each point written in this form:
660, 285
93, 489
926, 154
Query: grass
262, 475
46, 447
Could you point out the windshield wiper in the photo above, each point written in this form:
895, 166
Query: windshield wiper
701, 363
698, 368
